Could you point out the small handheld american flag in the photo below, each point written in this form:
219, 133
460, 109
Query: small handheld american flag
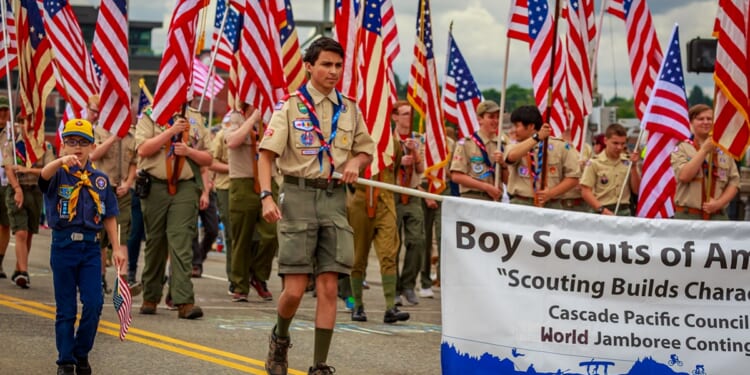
123, 302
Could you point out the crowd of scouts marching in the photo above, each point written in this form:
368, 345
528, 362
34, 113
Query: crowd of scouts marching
274, 191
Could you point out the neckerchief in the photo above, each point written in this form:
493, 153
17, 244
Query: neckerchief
306, 98
83, 181
535, 167
486, 156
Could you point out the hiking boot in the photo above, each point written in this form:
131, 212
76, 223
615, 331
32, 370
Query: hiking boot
321, 369
359, 315
83, 367
148, 308
394, 315
189, 311
276, 362
67, 369
21, 279
197, 272
2, 273
262, 288
410, 296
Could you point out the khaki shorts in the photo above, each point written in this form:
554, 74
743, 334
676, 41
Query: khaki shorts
27, 217
4, 221
123, 220
314, 234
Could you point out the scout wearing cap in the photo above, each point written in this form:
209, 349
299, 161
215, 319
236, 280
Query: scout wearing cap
4, 103
79, 127
487, 106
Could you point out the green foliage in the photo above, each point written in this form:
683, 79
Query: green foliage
625, 107
696, 96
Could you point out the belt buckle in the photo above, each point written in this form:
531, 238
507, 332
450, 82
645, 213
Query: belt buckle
76, 236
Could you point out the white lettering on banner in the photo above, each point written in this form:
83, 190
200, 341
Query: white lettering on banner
536, 291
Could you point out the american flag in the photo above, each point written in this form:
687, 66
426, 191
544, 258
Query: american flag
518, 22
36, 75
375, 101
123, 302
200, 75
9, 50
72, 60
666, 120
422, 93
228, 41
260, 73
541, 33
732, 116
176, 63
292, 54
144, 97
578, 71
644, 51
460, 92
347, 22
111, 49
390, 42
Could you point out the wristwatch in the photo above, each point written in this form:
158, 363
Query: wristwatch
599, 210
264, 194
536, 137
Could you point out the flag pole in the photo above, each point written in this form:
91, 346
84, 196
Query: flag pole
627, 174
6, 40
549, 99
394, 188
593, 62
503, 91
214, 53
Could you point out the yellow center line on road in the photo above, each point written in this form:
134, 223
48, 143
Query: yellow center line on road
151, 339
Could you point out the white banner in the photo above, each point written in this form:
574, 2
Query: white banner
541, 291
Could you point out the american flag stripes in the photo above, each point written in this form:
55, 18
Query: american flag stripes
518, 22
375, 101
227, 42
176, 63
200, 75
644, 51
422, 93
9, 46
460, 92
347, 22
36, 75
666, 120
72, 61
290, 49
732, 108
390, 43
578, 71
110, 48
123, 302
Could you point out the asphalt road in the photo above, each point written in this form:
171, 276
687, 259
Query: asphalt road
232, 338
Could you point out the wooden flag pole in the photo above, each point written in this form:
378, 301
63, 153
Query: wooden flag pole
6, 37
549, 99
214, 53
503, 91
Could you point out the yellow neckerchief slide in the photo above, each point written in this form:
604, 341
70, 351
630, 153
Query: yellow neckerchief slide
83, 180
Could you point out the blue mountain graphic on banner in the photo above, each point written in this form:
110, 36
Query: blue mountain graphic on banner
456, 363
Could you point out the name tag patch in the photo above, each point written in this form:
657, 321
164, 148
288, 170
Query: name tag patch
303, 124
309, 151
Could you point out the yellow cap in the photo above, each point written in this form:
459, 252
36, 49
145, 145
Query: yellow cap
79, 127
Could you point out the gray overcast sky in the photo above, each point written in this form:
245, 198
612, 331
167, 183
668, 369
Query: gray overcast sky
479, 29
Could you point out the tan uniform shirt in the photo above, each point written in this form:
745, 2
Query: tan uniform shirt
290, 135
724, 174
561, 163
219, 152
119, 157
240, 158
27, 178
468, 159
156, 164
606, 178
416, 177
4, 142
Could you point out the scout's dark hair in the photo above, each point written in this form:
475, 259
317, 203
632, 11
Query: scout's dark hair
696, 110
319, 45
527, 115
615, 130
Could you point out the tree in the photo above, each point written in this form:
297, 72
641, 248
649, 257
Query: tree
697, 97
515, 96
625, 107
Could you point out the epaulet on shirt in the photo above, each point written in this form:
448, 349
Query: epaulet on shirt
347, 97
283, 100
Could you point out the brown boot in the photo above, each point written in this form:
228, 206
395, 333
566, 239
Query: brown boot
148, 308
276, 362
189, 311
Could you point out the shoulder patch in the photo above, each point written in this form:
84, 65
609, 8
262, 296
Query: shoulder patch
278, 105
461, 141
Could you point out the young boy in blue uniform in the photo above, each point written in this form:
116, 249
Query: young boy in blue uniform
79, 203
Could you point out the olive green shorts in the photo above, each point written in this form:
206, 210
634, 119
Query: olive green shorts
4, 221
27, 217
314, 234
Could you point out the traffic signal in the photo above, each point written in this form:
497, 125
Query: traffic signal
701, 55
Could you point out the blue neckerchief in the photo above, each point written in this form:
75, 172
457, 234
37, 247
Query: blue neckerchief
485, 155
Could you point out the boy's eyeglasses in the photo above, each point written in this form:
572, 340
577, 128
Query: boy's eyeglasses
77, 142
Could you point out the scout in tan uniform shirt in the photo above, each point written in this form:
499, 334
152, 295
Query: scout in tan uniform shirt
220, 168
524, 181
170, 218
707, 178
24, 198
310, 134
604, 175
476, 157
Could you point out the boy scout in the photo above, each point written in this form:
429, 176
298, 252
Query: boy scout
475, 157
171, 207
707, 178
604, 175
220, 167
312, 133
4, 141
524, 162
80, 204
24, 199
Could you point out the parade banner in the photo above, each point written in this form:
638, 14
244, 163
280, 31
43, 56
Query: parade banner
541, 291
